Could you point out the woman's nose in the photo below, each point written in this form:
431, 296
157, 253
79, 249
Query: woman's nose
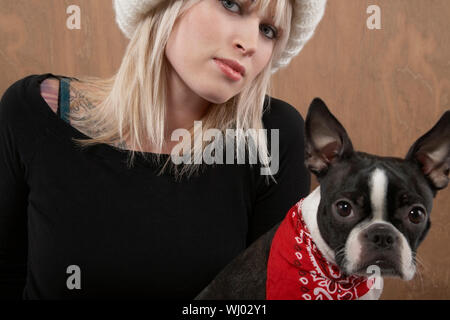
247, 38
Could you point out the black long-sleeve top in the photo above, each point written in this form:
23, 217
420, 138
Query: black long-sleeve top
70, 216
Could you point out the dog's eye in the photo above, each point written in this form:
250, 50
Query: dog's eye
416, 215
344, 209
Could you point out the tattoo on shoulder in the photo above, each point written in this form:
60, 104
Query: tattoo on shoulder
120, 145
79, 105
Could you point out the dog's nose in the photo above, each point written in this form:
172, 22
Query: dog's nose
381, 236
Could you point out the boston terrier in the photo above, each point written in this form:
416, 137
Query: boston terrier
367, 217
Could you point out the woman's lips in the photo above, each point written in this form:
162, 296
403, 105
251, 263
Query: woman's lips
228, 71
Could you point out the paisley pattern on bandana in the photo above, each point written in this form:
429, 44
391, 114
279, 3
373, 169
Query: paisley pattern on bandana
297, 270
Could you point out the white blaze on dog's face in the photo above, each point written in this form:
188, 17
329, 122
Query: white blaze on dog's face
376, 241
374, 210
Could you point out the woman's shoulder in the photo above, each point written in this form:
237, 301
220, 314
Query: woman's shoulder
30, 101
22, 99
22, 90
23, 120
279, 114
50, 91
15, 99
277, 109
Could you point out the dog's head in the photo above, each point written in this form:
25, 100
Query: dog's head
374, 210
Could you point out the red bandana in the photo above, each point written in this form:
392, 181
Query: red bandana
296, 269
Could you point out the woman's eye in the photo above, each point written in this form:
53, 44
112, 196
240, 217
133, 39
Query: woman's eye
269, 32
229, 4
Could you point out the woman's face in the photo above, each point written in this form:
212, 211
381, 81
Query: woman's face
213, 30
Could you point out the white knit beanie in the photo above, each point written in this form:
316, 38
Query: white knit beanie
305, 17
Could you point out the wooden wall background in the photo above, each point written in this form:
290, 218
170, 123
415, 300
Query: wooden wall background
386, 86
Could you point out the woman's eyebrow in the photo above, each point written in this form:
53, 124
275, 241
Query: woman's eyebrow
248, 3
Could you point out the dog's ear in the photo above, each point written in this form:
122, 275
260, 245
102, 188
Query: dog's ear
326, 140
432, 153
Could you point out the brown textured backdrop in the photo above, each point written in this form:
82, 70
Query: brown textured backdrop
386, 86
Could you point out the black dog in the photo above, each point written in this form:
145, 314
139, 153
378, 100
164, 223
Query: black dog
369, 213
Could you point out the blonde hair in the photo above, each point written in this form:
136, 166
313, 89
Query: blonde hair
131, 105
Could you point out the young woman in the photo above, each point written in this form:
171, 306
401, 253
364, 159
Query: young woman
92, 204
